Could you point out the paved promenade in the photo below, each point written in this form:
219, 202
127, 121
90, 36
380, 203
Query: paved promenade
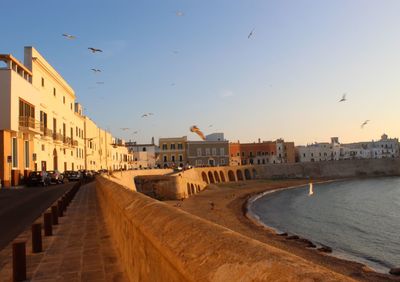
79, 250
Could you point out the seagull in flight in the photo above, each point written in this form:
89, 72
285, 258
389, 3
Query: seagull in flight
343, 98
364, 123
210, 125
94, 50
125, 128
250, 34
145, 115
179, 13
69, 36
96, 70
99, 82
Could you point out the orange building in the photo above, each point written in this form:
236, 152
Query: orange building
262, 152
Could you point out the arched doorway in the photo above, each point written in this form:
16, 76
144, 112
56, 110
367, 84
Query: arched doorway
231, 176
198, 188
222, 176
254, 173
204, 176
239, 175
216, 176
211, 177
55, 159
247, 174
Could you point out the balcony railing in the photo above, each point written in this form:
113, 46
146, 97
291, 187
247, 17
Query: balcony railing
25, 121
45, 131
75, 143
58, 137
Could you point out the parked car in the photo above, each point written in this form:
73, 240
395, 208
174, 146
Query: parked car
38, 178
56, 176
72, 175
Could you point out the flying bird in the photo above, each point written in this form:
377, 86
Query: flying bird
210, 125
145, 115
196, 130
179, 13
69, 36
135, 132
364, 123
125, 128
250, 34
175, 52
94, 50
96, 70
99, 82
343, 98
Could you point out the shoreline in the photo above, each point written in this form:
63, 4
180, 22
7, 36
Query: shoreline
230, 208
247, 212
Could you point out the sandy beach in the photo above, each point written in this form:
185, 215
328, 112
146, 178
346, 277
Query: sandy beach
229, 210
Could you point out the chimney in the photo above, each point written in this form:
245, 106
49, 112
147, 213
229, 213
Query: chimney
152, 140
259, 140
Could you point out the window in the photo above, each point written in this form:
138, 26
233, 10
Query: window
165, 158
214, 151
199, 162
42, 82
43, 148
222, 161
222, 151
173, 159
144, 149
14, 148
71, 106
172, 146
27, 112
180, 158
64, 99
26, 155
207, 151
180, 146
54, 92
164, 147
198, 152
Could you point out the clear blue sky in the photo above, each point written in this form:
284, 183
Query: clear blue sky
284, 81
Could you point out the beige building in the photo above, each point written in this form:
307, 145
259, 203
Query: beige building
208, 153
42, 127
173, 152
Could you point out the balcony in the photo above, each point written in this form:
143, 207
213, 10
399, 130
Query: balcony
58, 137
29, 124
67, 141
45, 131
75, 143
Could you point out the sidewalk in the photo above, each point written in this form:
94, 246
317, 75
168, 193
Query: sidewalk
80, 248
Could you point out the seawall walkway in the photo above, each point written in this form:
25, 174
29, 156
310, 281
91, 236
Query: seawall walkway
80, 248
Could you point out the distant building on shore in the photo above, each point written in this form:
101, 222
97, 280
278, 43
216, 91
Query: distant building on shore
172, 152
259, 153
143, 155
316, 152
214, 151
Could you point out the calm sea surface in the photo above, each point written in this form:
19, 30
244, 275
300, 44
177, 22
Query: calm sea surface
359, 219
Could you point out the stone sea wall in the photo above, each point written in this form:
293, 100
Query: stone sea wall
157, 242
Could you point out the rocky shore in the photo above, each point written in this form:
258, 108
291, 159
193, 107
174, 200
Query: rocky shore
226, 204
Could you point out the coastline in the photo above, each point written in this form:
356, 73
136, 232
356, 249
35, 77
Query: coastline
249, 213
231, 202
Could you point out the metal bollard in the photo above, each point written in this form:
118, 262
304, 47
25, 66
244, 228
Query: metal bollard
48, 228
19, 261
54, 215
37, 238
60, 208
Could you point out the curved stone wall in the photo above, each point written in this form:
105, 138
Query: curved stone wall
157, 242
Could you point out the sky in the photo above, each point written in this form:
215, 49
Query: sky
191, 63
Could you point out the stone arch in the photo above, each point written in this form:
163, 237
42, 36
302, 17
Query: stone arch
189, 192
216, 177
222, 176
239, 175
247, 174
211, 177
254, 173
231, 176
205, 178
192, 188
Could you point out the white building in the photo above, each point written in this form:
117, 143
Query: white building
144, 155
383, 148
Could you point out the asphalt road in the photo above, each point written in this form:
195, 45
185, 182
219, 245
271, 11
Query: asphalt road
20, 207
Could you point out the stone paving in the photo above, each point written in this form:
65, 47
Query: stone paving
79, 250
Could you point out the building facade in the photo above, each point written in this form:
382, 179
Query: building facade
173, 152
42, 127
208, 153
144, 155
259, 153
